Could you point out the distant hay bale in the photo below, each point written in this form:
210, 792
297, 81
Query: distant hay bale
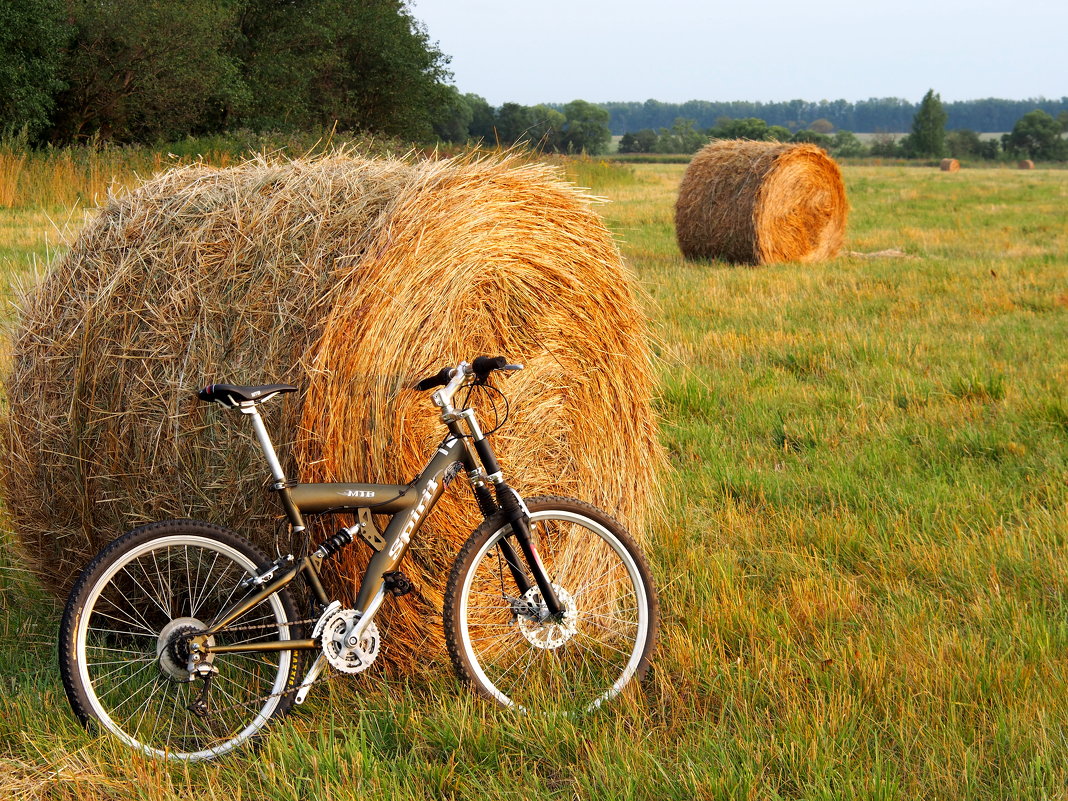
761, 202
1025, 164
949, 165
348, 278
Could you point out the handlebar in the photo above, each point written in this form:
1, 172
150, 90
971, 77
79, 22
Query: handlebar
480, 368
435, 380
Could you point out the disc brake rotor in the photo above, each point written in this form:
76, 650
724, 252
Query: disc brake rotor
546, 633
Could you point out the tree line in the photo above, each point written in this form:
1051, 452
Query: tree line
1036, 135
143, 70
875, 115
577, 127
157, 70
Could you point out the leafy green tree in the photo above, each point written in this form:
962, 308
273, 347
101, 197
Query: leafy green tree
643, 141
481, 128
628, 143
144, 69
821, 126
928, 136
585, 129
885, 145
812, 138
367, 66
748, 128
547, 133
1038, 136
963, 143
989, 149
681, 137
846, 144
452, 122
778, 133
32, 37
514, 124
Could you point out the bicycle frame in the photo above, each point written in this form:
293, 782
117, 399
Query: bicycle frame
409, 505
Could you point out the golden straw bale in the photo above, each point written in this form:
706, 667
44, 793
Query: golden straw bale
949, 165
348, 278
1025, 164
761, 202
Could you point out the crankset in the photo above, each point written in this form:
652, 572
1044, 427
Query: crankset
343, 648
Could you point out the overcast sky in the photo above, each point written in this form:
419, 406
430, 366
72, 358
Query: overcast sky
554, 51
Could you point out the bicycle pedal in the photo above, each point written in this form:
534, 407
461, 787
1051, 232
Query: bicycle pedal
396, 583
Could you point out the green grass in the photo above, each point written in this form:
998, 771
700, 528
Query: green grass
862, 566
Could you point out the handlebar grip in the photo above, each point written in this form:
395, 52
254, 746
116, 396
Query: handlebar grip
439, 380
482, 366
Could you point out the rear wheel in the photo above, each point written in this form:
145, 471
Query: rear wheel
504, 643
124, 647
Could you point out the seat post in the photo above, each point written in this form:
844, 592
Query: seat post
265, 442
281, 485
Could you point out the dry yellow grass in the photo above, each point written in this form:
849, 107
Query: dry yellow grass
349, 278
760, 203
10, 168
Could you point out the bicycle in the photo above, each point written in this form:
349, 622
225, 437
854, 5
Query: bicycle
182, 639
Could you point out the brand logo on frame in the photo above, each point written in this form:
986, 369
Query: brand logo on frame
358, 493
414, 517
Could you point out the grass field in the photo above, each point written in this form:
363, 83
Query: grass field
863, 561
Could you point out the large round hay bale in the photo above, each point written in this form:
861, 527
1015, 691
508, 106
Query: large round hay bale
1025, 164
348, 278
949, 165
761, 202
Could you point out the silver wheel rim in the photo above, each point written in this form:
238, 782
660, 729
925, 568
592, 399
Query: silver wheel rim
103, 715
639, 627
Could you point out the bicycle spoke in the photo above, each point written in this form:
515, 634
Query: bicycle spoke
576, 661
165, 583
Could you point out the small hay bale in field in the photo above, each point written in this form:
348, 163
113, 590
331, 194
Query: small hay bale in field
949, 165
348, 278
760, 203
1025, 164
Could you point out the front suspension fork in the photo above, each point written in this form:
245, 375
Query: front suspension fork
520, 523
515, 513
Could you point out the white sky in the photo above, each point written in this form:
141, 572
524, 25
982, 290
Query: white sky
554, 51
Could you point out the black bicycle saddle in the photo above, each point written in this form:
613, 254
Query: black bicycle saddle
234, 395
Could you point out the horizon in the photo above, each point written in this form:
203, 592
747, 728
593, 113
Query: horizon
1036, 98
680, 50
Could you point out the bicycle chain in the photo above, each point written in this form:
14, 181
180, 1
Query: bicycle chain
251, 626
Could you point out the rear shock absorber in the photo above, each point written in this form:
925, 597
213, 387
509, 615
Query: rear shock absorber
333, 544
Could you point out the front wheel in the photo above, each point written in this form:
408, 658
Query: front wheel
124, 642
504, 643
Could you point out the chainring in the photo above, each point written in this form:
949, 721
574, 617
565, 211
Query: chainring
343, 656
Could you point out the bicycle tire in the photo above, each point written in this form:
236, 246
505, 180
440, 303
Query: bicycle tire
120, 632
508, 653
